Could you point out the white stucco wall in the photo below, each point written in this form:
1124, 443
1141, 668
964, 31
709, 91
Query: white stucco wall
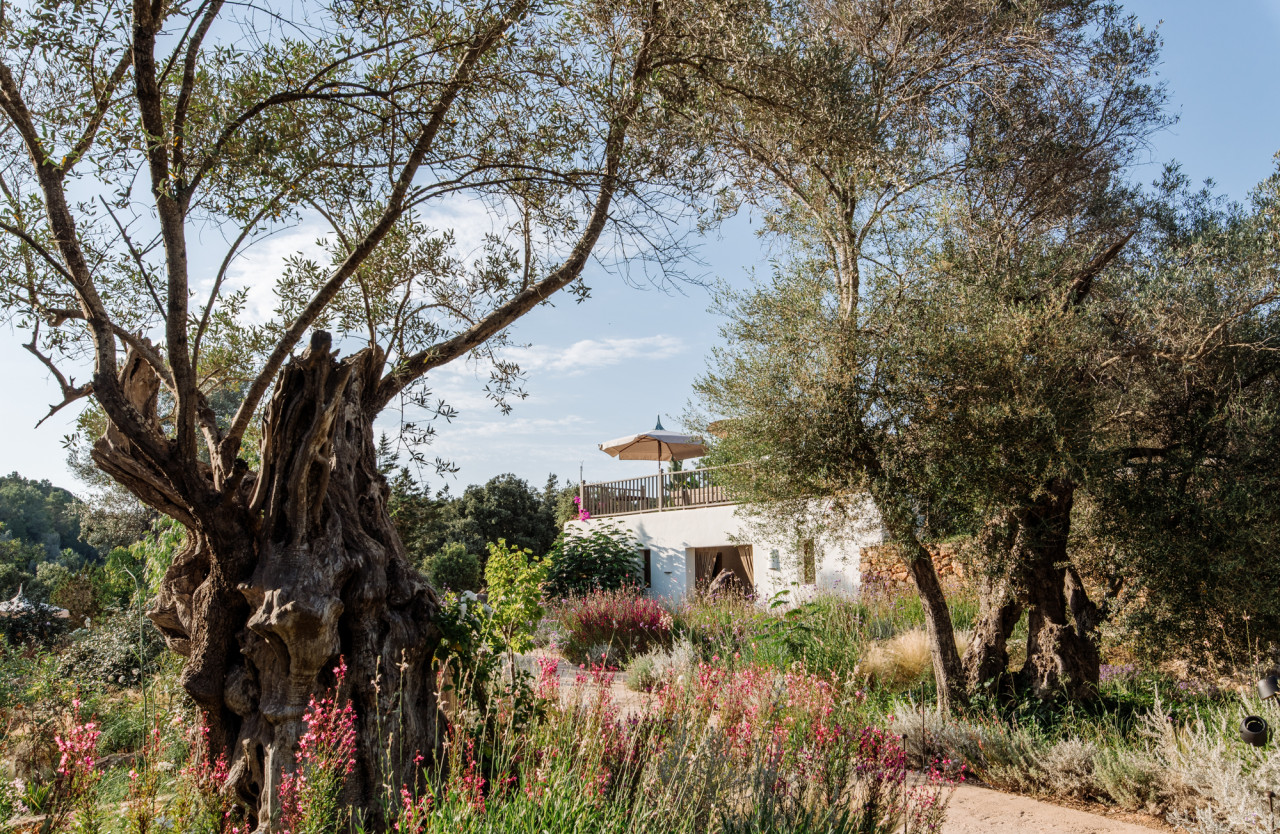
672, 535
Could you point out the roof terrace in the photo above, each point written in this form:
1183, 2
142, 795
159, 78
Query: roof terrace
681, 490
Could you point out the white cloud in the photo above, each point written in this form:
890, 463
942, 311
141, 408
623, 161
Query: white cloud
592, 354
461, 383
258, 267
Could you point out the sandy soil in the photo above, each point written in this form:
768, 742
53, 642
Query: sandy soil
978, 810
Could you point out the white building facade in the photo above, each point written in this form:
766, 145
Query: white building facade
689, 532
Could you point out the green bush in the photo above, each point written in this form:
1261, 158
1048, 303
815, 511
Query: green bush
604, 559
515, 582
454, 569
34, 626
118, 651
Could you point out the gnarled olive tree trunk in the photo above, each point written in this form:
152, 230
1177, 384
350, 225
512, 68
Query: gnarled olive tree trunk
1062, 657
986, 660
1030, 570
297, 567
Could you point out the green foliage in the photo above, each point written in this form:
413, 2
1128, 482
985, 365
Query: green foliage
454, 569
605, 557
129, 576
505, 507
514, 583
37, 512
28, 566
115, 652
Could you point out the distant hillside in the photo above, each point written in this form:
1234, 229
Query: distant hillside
39, 513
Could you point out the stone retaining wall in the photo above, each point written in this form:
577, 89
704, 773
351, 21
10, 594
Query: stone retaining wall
883, 563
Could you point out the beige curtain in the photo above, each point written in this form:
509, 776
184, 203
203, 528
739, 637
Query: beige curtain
748, 563
704, 561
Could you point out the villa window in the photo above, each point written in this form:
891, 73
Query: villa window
647, 559
809, 563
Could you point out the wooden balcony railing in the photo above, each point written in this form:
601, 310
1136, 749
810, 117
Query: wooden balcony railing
654, 493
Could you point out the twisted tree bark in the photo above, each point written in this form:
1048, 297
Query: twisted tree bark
986, 661
1061, 659
297, 566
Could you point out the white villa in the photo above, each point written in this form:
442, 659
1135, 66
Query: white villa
689, 531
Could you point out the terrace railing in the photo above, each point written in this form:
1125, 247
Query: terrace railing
656, 493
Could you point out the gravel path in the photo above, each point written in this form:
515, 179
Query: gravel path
979, 810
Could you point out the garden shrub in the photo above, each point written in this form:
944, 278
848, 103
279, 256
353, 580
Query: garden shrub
619, 623
34, 626
116, 651
454, 569
661, 665
606, 558
1133, 780
77, 595
1069, 769
641, 674
515, 582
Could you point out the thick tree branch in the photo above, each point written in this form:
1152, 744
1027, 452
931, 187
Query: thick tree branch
418, 364
480, 46
172, 226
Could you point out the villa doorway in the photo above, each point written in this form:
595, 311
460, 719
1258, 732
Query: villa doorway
711, 562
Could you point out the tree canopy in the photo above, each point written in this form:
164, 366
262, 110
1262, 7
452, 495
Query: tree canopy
147, 147
37, 512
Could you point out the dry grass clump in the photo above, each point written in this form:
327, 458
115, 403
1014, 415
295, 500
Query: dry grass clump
661, 666
1195, 772
903, 659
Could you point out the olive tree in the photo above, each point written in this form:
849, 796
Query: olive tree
883, 125
147, 146
1179, 525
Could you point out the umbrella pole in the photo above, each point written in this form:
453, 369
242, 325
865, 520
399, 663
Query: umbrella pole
660, 490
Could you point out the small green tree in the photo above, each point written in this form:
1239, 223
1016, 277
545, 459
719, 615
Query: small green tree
605, 558
515, 584
453, 568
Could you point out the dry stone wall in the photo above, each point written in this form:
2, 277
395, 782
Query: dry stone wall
883, 563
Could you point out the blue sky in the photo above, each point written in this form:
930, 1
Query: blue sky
609, 366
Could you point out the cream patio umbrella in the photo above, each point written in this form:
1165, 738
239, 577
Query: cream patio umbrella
658, 445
